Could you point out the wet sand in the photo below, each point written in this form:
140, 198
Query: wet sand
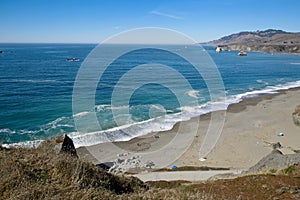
250, 128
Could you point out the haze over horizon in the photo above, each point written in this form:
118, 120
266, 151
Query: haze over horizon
63, 21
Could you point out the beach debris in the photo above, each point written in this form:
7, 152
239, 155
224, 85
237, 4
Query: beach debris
280, 134
156, 136
276, 145
106, 165
120, 160
296, 116
68, 147
202, 159
128, 164
174, 167
123, 154
149, 164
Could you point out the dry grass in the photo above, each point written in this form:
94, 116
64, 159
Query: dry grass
42, 174
246, 187
291, 171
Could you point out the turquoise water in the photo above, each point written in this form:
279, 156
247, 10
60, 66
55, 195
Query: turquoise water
36, 86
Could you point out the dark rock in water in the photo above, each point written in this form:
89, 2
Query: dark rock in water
106, 166
68, 147
296, 116
73, 59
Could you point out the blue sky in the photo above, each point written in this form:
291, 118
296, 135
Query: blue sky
91, 21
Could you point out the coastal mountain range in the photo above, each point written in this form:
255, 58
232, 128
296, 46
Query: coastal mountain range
270, 41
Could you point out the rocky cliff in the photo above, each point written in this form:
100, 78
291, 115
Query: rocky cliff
270, 41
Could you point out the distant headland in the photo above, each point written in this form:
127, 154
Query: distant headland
269, 41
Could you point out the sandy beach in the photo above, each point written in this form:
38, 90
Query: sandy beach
250, 128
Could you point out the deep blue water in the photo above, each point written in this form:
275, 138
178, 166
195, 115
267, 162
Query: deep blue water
36, 86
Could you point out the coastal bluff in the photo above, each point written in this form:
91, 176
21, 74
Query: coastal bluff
268, 41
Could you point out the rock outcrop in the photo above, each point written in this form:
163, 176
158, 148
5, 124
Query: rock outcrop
68, 147
132, 164
275, 160
276, 145
106, 166
262, 48
296, 116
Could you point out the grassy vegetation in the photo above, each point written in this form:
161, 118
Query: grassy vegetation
291, 171
271, 172
43, 174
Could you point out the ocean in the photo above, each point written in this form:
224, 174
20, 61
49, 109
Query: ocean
37, 84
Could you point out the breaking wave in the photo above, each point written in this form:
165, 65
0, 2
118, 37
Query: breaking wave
161, 123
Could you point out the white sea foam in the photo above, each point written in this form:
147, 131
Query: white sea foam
295, 63
104, 107
261, 81
7, 130
162, 123
194, 93
125, 132
65, 125
157, 107
34, 81
81, 114
27, 144
56, 51
57, 120
119, 107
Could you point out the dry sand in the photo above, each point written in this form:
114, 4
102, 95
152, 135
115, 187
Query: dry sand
250, 127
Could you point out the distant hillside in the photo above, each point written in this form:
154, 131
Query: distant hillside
271, 41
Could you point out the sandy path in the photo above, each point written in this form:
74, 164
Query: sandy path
192, 176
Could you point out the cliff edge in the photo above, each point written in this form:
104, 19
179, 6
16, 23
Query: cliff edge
269, 41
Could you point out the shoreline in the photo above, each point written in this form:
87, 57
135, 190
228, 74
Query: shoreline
242, 143
269, 49
90, 138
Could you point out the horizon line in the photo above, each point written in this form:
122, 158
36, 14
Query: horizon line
94, 43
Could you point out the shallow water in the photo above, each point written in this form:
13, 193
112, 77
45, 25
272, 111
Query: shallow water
36, 85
